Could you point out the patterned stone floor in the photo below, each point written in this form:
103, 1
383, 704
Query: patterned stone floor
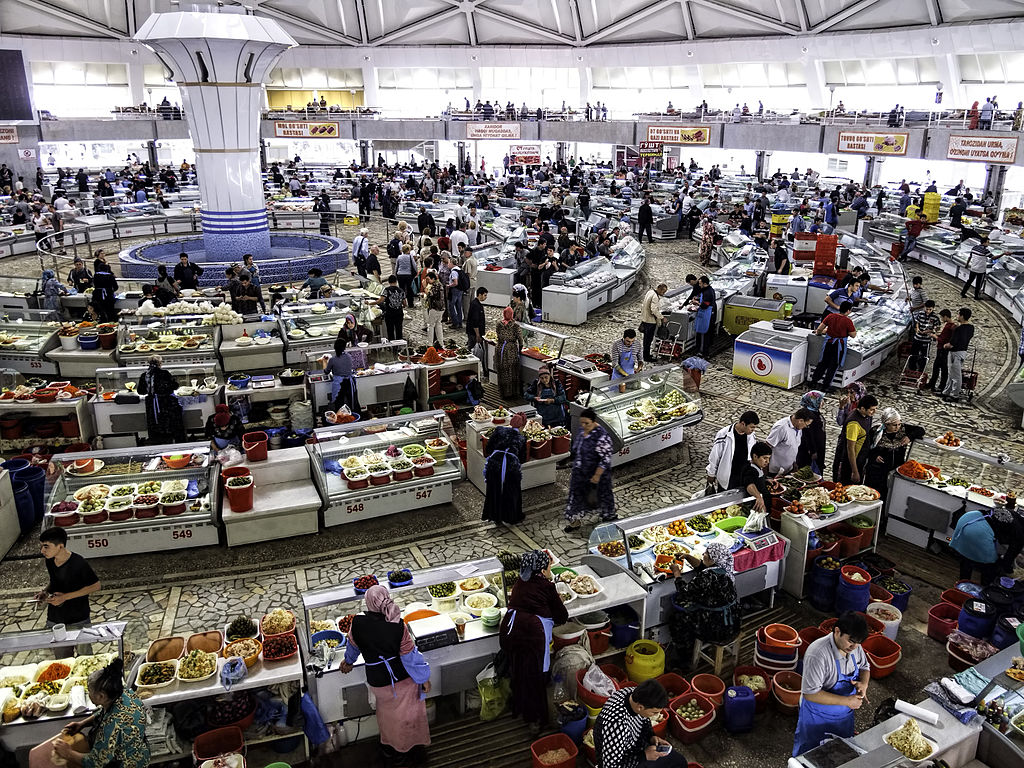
197, 589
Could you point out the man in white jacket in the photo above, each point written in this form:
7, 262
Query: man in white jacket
725, 464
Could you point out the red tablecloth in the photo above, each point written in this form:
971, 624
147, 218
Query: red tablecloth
746, 559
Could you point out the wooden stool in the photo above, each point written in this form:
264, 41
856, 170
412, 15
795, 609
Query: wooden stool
701, 652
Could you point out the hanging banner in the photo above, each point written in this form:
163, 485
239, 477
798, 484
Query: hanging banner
678, 134
492, 130
524, 154
306, 130
8, 134
651, 149
868, 143
985, 149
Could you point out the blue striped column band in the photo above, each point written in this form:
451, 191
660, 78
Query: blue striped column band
234, 221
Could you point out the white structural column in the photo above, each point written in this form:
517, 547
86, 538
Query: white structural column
371, 96
220, 61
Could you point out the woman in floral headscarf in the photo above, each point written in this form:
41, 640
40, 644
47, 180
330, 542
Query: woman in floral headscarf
887, 448
534, 608
509, 343
708, 607
396, 672
707, 241
812, 441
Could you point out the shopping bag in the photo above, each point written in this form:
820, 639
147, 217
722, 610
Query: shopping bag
494, 693
662, 332
597, 682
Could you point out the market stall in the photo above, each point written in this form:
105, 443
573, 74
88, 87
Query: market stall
120, 412
251, 346
380, 371
55, 687
27, 341
179, 339
538, 467
35, 411
447, 379
125, 501
385, 466
311, 326
938, 481
643, 413
460, 589
541, 346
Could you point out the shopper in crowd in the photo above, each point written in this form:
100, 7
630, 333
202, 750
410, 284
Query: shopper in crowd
344, 391
726, 463
940, 371
887, 449
707, 604
977, 537
651, 317
781, 253
959, 342
435, 304
316, 283
476, 326
71, 581
847, 405
457, 284
224, 428
396, 673
624, 736
534, 609
707, 241
53, 289
913, 227
812, 440
973, 117
834, 685
164, 417
507, 347
503, 473
392, 303
249, 265
977, 265
104, 294
522, 310
246, 297
405, 270
754, 476
917, 296
166, 289
590, 484
80, 277
853, 438
118, 727
926, 328
785, 437
547, 395
837, 328
187, 274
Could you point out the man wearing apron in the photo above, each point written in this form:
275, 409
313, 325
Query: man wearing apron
838, 329
624, 356
835, 683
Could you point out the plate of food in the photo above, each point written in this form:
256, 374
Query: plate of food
586, 586
948, 441
915, 470
862, 493
910, 742
981, 491
472, 585
611, 549
656, 534
670, 549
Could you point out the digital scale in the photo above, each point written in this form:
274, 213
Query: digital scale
317, 377
760, 540
577, 364
780, 324
434, 632
263, 381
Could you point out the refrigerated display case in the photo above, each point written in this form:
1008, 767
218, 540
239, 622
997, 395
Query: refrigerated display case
372, 469
28, 339
381, 371
572, 295
643, 413
264, 351
541, 346
922, 511
628, 258
178, 339
767, 356
167, 507
123, 419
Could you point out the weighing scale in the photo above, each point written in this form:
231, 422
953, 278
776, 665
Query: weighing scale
838, 753
434, 632
782, 325
577, 364
760, 540
263, 381
317, 377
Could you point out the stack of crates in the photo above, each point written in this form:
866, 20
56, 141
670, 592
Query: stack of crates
931, 206
825, 255
804, 244
779, 223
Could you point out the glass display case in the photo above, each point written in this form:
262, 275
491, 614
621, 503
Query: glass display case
592, 275
650, 404
125, 501
628, 254
311, 327
1008, 273
381, 370
27, 336
178, 339
385, 466
879, 325
193, 379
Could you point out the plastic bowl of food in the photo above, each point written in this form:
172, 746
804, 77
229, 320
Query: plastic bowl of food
177, 460
474, 604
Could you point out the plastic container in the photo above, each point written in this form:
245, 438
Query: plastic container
599, 639
781, 636
27, 512
575, 729
691, 731
567, 634
969, 588
1000, 599
219, 741
942, 619
849, 538
890, 627
711, 687
586, 696
255, 446
208, 642
977, 618
956, 662
852, 595
738, 709
760, 696
786, 687
645, 660
879, 595
824, 583
809, 635
539, 450
240, 499
902, 599
625, 626
166, 648
883, 655
35, 478
1005, 633
552, 742
675, 685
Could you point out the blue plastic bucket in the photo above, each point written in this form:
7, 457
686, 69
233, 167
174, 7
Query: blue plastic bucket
1005, 633
13, 465
23, 503
575, 729
822, 588
852, 597
35, 478
977, 618
625, 626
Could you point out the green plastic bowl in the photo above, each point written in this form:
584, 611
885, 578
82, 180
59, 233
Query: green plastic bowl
731, 524
1020, 637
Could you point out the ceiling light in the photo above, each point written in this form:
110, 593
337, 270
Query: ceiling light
935, 41
366, 58
804, 49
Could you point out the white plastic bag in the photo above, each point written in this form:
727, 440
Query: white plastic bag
756, 522
229, 456
597, 682
567, 662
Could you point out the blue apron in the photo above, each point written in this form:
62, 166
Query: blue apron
548, 625
818, 720
703, 320
841, 355
336, 383
504, 464
222, 442
626, 361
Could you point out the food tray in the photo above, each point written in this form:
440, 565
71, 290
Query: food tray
43, 666
947, 447
143, 666
216, 670
600, 591
28, 671
934, 746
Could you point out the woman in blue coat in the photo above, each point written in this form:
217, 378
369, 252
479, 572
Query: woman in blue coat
976, 541
547, 395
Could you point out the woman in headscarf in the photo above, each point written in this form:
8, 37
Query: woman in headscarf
974, 116
104, 294
509, 343
53, 289
887, 449
976, 540
344, 390
590, 484
707, 241
534, 609
708, 607
812, 441
520, 303
353, 334
503, 473
397, 675
847, 405
224, 428
164, 418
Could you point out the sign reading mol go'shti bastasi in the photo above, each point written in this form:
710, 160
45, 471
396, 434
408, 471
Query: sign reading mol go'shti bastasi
985, 149
870, 143
678, 134
306, 130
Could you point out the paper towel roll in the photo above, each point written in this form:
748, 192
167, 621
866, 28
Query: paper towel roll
918, 712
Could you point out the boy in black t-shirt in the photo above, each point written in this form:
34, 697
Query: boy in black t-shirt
754, 479
72, 580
